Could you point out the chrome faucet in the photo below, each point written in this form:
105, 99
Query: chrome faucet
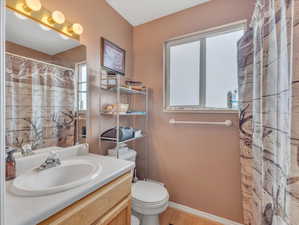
52, 161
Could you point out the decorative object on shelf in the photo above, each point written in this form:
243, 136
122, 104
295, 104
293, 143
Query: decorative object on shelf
107, 81
138, 133
113, 108
229, 99
135, 85
55, 20
113, 57
125, 133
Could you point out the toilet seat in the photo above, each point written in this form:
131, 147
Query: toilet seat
149, 194
149, 198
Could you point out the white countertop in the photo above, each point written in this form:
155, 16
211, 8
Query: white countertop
32, 210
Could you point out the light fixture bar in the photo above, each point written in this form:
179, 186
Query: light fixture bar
55, 20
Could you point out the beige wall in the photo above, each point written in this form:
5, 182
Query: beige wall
199, 165
71, 56
98, 19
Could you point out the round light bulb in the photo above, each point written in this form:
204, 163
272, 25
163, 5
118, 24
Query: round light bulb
33, 5
58, 17
77, 28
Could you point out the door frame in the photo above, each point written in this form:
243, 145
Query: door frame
2, 113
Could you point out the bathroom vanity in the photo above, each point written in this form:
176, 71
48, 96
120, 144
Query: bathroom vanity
109, 205
104, 199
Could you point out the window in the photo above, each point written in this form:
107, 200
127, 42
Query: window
82, 86
201, 70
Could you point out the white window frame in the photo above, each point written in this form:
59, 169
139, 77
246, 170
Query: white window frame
77, 71
198, 36
2, 114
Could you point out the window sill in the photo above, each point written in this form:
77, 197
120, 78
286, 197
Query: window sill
201, 110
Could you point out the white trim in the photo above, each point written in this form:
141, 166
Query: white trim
187, 38
202, 214
2, 113
237, 24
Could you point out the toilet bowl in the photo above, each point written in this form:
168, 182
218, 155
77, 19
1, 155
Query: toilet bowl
149, 199
134, 220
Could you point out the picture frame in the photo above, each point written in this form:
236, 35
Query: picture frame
113, 57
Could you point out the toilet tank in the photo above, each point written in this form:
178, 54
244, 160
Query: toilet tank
124, 153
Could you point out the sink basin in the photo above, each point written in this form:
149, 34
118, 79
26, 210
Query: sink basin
70, 174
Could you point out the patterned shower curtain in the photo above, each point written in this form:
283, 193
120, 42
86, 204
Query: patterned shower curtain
269, 138
40, 104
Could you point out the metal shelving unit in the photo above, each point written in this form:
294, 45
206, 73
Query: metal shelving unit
119, 90
124, 114
126, 141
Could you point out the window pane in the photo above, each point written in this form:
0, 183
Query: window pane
184, 74
82, 86
221, 68
82, 73
83, 101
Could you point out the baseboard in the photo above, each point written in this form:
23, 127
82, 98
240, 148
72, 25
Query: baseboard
202, 214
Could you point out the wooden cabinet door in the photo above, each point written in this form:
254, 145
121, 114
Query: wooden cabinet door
96, 205
119, 215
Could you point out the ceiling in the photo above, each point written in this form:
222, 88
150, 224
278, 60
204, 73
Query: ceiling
137, 12
28, 33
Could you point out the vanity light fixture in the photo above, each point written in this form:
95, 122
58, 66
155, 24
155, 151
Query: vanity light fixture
47, 19
56, 17
76, 28
32, 5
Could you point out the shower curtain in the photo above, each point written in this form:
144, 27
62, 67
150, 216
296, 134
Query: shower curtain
269, 138
40, 103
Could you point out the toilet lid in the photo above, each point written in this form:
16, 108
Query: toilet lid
149, 192
134, 220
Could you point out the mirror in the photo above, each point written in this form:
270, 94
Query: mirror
46, 86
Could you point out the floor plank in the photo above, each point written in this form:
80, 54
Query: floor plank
177, 217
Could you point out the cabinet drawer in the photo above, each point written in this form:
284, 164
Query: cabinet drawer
92, 207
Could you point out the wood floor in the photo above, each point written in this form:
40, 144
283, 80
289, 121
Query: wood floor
176, 217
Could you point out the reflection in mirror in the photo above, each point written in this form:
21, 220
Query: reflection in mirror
46, 86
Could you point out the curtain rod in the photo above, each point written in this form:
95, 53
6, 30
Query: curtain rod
39, 61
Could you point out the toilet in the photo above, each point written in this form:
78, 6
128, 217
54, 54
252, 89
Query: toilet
149, 199
134, 220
